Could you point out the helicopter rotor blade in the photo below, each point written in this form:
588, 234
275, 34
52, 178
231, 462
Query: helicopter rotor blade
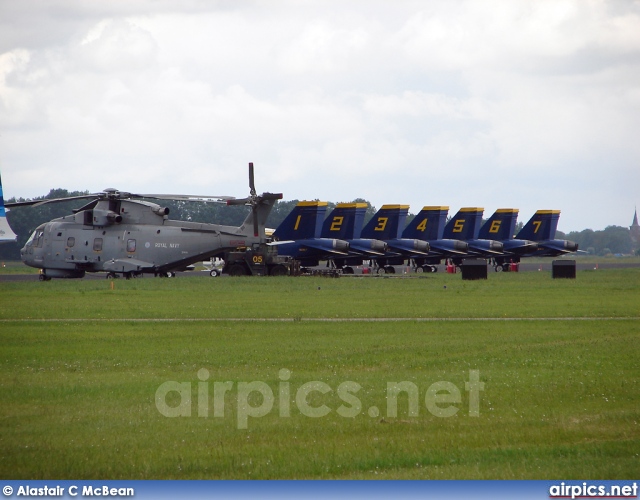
239, 201
252, 185
186, 197
37, 203
88, 206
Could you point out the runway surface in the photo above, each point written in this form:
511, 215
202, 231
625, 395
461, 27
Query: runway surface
400, 271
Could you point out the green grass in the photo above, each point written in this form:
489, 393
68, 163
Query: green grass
16, 267
532, 294
561, 398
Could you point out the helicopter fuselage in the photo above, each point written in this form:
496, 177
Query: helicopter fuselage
126, 237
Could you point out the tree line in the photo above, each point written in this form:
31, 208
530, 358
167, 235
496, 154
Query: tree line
24, 220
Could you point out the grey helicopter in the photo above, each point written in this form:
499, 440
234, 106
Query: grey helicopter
123, 234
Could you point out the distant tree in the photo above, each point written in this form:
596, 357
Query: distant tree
616, 239
24, 220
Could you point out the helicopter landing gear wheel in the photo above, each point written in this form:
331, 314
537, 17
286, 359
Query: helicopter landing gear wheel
214, 273
44, 277
111, 276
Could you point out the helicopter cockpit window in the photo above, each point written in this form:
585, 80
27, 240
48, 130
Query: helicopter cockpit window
31, 238
131, 245
97, 245
71, 241
39, 238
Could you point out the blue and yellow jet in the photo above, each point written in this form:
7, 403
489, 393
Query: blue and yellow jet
387, 225
429, 225
299, 235
465, 226
501, 227
541, 228
345, 222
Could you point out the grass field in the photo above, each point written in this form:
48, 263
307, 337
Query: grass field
558, 360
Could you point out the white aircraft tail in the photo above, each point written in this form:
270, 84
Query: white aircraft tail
6, 233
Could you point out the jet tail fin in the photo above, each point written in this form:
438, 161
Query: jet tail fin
428, 225
465, 225
303, 222
541, 227
6, 233
501, 225
387, 223
345, 221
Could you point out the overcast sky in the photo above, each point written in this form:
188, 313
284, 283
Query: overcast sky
499, 104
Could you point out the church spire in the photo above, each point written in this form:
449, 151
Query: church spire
634, 230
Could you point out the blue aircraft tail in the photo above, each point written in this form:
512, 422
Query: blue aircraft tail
387, 223
6, 234
501, 225
345, 222
465, 225
304, 221
428, 225
541, 227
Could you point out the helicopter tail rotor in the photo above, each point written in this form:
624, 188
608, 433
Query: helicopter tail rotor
255, 201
